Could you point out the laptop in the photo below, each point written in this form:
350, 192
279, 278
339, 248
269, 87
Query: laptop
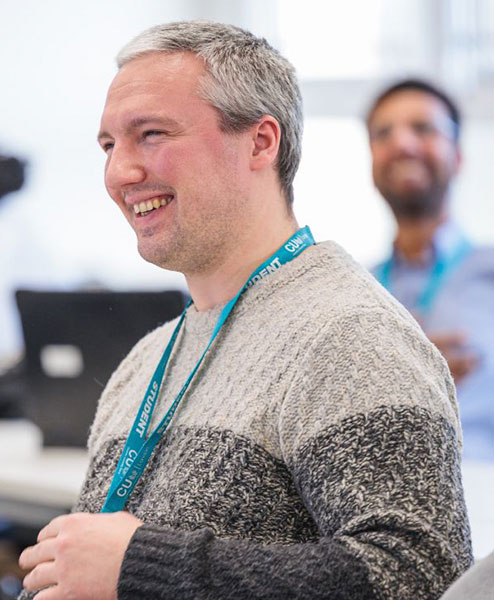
73, 343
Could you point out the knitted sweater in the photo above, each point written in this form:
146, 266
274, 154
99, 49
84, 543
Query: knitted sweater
315, 454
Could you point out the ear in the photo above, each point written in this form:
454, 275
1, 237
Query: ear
265, 136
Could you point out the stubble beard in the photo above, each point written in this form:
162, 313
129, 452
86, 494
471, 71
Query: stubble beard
197, 250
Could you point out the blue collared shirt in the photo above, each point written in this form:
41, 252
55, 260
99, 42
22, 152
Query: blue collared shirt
464, 302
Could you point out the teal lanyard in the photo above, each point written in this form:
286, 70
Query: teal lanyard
139, 447
442, 268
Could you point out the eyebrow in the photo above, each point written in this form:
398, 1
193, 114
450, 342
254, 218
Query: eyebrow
140, 121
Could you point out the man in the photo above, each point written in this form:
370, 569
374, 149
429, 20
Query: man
434, 270
313, 450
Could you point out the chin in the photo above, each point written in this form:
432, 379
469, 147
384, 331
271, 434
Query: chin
161, 259
414, 207
150, 254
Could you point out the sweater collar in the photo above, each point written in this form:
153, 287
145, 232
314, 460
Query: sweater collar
202, 322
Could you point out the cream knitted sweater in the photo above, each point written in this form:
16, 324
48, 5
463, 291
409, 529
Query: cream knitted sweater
315, 454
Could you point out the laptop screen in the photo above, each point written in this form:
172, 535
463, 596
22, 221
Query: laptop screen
73, 343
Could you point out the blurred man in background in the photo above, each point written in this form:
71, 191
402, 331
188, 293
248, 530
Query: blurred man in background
434, 270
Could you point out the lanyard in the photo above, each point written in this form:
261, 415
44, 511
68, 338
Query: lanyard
443, 266
139, 447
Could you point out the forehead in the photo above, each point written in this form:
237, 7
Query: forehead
159, 81
409, 105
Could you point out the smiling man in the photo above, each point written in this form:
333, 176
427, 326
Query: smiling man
294, 434
434, 270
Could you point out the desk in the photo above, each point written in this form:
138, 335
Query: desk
36, 484
33, 491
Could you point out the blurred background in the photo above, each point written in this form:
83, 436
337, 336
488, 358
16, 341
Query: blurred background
62, 232
57, 60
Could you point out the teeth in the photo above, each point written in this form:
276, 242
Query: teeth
148, 205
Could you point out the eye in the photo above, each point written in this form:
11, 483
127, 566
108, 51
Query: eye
152, 133
424, 128
107, 146
379, 134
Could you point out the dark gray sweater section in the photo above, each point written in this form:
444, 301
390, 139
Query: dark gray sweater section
400, 522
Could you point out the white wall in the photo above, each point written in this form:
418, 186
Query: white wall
56, 61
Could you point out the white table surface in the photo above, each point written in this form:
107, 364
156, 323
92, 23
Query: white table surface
53, 477
36, 483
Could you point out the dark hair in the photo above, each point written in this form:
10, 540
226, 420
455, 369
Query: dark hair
422, 86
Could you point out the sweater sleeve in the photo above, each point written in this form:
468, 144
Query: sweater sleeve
369, 432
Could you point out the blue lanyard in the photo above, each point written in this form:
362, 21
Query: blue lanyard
139, 447
442, 268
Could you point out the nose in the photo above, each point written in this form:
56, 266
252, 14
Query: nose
123, 168
403, 139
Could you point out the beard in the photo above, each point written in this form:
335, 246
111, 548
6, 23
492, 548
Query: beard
415, 192
416, 204
196, 242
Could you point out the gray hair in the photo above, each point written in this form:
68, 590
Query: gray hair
247, 79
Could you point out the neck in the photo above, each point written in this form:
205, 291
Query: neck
415, 237
223, 281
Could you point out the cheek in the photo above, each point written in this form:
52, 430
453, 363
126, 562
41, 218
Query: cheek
378, 155
161, 164
440, 154
379, 162
171, 164
106, 179
115, 196
192, 165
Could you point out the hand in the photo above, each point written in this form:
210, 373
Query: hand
78, 556
452, 345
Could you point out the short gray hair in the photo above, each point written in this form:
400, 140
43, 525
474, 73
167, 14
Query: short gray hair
247, 79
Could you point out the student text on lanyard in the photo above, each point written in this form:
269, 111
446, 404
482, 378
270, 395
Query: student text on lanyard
443, 266
139, 447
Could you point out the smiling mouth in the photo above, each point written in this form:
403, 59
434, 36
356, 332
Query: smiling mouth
407, 168
144, 208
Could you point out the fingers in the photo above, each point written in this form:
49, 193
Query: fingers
53, 528
51, 593
448, 339
40, 577
76, 554
462, 366
40, 553
460, 357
